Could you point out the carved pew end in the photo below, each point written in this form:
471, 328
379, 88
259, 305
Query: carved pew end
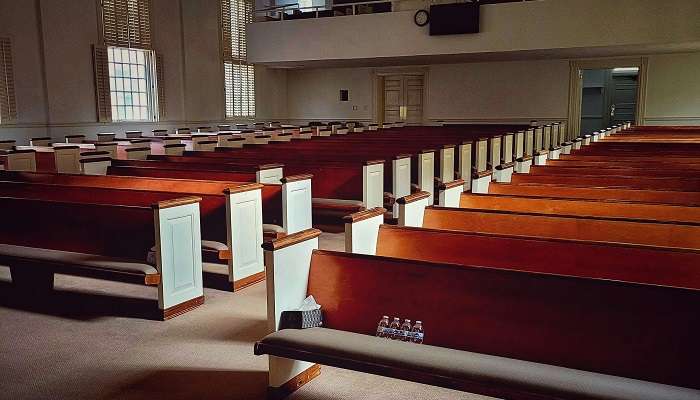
481, 181
412, 208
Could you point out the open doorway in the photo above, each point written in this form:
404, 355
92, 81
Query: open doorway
605, 92
608, 97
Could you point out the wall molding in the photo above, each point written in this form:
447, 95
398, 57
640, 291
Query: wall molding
34, 125
672, 118
497, 120
296, 121
668, 120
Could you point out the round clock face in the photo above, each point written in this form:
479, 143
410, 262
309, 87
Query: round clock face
421, 18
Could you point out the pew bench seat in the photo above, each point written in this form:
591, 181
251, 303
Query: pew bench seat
23, 258
332, 211
457, 369
213, 251
272, 231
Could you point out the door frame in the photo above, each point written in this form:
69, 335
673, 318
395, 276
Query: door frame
378, 75
576, 68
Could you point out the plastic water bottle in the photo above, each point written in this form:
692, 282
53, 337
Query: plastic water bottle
395, 325
405, 330
383, 323
417, 331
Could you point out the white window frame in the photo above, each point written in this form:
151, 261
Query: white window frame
149, 80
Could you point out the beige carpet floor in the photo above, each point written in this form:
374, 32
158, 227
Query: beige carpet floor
91, 339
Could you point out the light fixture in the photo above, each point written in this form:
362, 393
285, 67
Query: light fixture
625, 70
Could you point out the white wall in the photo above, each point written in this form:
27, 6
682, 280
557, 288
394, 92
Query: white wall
512, 27
506, 92
673, 90
476, 92
270, 94
314, 94
18, 20
57, 97
516, 91
204, 93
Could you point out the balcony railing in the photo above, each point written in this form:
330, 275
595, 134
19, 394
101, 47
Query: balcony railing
295, 11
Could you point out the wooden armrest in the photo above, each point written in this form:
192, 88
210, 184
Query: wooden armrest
291, 239
363, 215
449, 185
413, 197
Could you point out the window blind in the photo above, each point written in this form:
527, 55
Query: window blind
235, 15
127, 23
102, 91
160, 82
239, 75
8, 107
239, 81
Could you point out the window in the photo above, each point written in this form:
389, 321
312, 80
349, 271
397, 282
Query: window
127, 69
239, 75
8, 108
130, 77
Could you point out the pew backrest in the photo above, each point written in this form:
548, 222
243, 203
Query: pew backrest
523, 315
619, 230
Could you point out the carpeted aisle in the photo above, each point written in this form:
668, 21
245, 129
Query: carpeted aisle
91, 340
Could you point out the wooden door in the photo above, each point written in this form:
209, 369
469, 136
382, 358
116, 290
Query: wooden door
403, 99
393, 98
623, 96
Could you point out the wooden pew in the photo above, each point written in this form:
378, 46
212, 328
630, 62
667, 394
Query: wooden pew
630, 263
614, 164
356, 185
625, 159
18, 160
39, 238
605, 193
395, 173
231, 212
549, 312
264, 173
7, 144
293, 214
287, 205
688, 184
581, 207
609, 170
618, 230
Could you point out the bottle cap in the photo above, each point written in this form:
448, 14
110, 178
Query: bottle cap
386, 316
407, 320
418, 322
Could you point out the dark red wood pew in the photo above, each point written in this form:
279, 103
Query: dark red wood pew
122, 240
230, 211
659, 233
504, 333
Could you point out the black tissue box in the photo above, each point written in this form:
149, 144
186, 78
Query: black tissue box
301, 319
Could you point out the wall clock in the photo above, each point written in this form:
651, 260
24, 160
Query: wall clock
421, 17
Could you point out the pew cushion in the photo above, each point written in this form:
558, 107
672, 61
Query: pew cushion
216, 268
68, 258
335, 207
213, 251
457, 369
211, 245
337, 204
273, 229
331, 211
